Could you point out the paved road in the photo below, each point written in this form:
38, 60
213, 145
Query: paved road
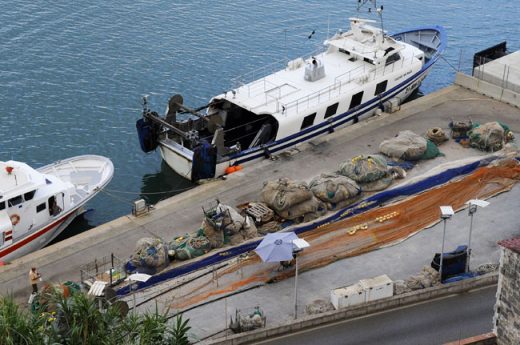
431, 323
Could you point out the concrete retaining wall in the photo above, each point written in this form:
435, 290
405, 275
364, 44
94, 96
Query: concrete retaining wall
357, 311
488, 89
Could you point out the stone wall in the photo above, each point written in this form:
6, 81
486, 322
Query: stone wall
507, 308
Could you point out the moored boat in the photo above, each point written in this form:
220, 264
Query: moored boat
36, 205
358, 72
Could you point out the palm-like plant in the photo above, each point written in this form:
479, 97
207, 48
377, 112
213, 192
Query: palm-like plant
76, 320
179, 331
13, 326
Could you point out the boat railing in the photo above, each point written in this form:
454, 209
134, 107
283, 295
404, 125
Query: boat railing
250, 79
361, 74
243, 79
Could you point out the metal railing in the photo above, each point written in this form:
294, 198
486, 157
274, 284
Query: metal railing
506, 79
109, 269
363, 74
251, 77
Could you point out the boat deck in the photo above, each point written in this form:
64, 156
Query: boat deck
86, 173
286, 92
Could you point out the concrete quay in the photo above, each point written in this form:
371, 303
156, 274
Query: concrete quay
182, 214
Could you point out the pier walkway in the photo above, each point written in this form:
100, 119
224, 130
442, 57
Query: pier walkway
183, 213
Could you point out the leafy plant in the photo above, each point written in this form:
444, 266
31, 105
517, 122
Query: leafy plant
179, 331
77, 320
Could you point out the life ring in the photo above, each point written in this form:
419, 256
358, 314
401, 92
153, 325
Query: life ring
15, 219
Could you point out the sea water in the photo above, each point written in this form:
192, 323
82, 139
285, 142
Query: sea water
73, 73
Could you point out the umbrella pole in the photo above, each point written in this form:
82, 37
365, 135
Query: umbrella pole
296, 289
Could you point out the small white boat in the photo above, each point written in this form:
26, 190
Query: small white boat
358, 72
36, 205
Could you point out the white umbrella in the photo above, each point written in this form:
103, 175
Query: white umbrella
276, 247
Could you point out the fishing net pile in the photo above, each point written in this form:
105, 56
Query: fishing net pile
318, 306
428, 277
244, 322
335, 190
409, 146
292, 200
371, 172
222, 224
491, 136
459, 129
150, 253
436, 135
189, 246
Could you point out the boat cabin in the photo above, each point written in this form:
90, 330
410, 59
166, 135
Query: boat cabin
28, 198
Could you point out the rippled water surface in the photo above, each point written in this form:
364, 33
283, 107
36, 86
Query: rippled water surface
72, 73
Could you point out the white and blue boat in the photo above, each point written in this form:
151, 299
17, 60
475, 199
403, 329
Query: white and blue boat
357, 73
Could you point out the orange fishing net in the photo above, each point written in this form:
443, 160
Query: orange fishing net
356, 235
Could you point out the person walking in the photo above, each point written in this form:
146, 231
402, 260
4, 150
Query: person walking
34, 276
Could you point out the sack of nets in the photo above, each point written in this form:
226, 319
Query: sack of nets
334, 189
376, 186
459, 129
284, 193
150, 252
230, 221
489, 136
305, 211
406, 145
214, 236
363, 169
247, 232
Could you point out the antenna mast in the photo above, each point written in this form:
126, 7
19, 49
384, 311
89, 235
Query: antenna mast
379, 11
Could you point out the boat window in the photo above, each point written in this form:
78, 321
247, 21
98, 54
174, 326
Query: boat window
54, 209
393, 58
344, 51
41, 207
15, 201
381, 87
356, 100
308, 120
368, 60
29, 195
331, 110
2, 205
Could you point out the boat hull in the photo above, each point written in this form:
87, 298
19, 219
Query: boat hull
40, 238
181, 163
